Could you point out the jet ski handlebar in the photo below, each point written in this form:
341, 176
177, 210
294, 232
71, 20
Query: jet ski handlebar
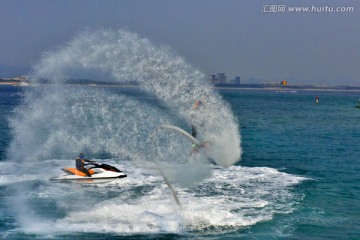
102, 165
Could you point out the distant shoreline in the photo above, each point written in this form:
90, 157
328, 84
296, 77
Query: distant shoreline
289, 89
23, 81
256, 87
9, 83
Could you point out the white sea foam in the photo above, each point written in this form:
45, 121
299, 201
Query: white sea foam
57, 122
231, 199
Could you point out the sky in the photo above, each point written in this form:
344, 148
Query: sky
262, 40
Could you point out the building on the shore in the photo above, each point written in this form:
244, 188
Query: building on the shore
221, 78
212, 79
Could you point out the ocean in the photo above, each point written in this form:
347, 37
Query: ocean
297, 177
277, 164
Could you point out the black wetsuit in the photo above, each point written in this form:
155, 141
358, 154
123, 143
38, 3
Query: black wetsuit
80, 166
193, 131
196, 106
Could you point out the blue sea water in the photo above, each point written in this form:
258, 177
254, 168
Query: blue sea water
290, 131
297, 179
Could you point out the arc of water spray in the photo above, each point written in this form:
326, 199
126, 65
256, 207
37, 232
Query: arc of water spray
186, 134
154, 155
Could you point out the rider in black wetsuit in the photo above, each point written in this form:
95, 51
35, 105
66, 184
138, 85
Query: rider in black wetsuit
80, 163
196, 105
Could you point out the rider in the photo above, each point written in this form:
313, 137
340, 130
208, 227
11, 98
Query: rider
80, 163
196, 106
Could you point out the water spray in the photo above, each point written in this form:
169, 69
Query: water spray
57, 118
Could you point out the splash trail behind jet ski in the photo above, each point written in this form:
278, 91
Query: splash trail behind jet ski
56, 120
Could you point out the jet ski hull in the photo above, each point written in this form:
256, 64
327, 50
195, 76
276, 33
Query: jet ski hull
67, 178
100, 174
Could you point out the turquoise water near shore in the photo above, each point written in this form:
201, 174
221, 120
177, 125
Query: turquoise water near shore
297, 179
319, 141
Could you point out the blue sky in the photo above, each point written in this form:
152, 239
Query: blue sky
232, 36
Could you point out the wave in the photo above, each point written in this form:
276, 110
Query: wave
233, 198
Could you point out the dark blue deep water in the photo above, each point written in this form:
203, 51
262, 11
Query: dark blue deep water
282, 131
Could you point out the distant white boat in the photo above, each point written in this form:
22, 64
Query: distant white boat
287, 91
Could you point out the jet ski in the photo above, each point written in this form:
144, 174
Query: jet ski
99, 173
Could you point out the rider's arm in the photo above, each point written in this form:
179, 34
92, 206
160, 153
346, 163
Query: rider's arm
88, 161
